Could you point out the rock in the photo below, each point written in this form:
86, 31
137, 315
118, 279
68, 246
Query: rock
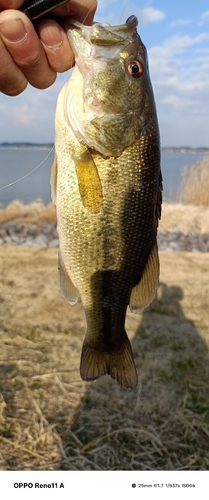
33, 230
7, 239
40, 241
54, 242
176, 241
46, 235
3, 232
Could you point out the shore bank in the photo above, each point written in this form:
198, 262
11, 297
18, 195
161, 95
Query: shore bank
46, 235
182, 227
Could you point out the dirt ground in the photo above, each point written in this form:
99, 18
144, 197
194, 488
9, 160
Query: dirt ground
51, 420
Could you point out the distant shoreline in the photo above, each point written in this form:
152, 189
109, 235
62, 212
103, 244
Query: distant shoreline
36, 145
49, 145
185, 150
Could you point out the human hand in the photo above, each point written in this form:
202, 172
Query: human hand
27, 55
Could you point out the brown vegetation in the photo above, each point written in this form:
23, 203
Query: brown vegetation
184, 218
33, 213
194, 189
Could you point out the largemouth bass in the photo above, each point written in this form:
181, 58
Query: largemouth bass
106, 184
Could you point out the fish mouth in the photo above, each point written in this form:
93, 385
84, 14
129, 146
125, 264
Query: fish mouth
131, 23
82, 37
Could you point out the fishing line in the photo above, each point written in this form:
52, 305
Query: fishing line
29, 173
125, 3
94, 3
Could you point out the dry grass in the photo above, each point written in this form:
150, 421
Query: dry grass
184, 218
51, 420
194, 189
34, 213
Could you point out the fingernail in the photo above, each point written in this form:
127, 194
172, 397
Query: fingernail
51, 38
13, 30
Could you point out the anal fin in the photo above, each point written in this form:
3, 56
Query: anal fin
144, 292
118, 364
68, 289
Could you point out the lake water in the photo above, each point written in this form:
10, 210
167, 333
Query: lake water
17, 163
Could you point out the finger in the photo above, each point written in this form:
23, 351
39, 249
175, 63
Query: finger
10, 4
56, 45
23, 44
12, 80
82, 10
54, 38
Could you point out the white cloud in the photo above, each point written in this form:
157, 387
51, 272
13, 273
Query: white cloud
30, 115
180, 78
176, 45
25, 117
202, 51
204, 17
145, 16
179, 102
180, 22
150, 15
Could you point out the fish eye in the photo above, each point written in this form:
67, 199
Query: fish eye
135, 69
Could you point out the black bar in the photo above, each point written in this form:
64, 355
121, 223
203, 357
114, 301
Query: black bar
38, 8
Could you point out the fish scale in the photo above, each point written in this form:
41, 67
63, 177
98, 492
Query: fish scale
107, 194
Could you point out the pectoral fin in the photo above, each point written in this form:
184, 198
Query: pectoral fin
89, 182
53, 180
69, 291
144, 292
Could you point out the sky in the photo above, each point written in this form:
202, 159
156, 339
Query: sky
176, 35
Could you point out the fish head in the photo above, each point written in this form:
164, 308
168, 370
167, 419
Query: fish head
109, 99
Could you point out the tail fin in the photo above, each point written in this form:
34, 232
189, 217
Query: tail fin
118, 364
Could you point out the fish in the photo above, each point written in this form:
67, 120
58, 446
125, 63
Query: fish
107, 187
